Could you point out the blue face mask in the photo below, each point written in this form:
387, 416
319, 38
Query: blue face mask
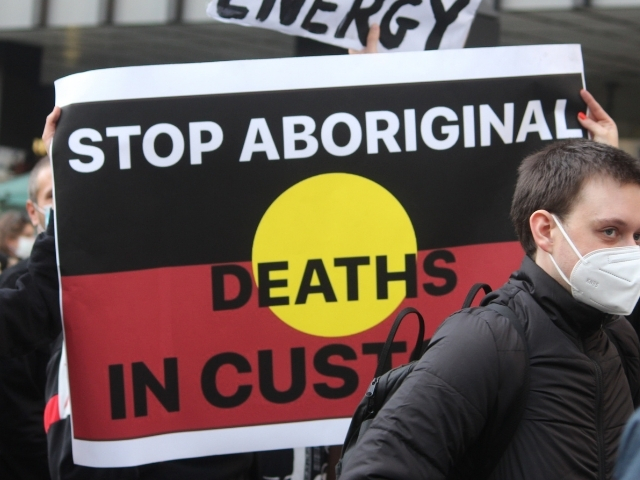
46, 211
47, 215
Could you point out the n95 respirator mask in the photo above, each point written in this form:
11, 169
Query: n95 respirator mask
607, 279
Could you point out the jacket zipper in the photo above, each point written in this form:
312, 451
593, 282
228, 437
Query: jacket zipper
599, 426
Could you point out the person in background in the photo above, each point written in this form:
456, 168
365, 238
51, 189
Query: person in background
16, 236
23, 443
4, 261
40, 191
40, 194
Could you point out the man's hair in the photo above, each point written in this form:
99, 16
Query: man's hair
33, 178
552, 178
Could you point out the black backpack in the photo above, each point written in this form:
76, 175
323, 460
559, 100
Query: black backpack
484, 456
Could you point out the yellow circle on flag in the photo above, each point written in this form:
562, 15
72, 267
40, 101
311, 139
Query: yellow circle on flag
332, 230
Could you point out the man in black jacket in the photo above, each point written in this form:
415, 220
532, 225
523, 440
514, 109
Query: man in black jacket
576, 212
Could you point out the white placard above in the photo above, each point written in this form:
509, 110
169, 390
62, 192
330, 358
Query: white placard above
405, 25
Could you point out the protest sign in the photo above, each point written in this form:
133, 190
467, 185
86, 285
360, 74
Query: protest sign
405, 25
234, 240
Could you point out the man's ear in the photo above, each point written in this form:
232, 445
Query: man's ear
33, 213
541, 223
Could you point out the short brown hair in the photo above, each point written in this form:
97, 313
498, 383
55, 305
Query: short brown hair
551, 180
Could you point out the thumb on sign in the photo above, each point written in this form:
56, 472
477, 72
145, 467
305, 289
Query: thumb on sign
372, 41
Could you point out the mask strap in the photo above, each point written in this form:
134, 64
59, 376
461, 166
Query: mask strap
564, 277
39, 208
564, 234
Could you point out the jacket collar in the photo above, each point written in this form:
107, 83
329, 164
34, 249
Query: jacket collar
576, 318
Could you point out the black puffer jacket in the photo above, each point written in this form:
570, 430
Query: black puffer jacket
578, 403
23, 443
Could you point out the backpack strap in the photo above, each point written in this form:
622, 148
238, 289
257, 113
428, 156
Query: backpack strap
383, 364
515, 412
473, 292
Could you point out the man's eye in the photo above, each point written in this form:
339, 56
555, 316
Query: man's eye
609, 232
636, 237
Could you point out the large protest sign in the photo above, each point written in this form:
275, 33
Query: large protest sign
234, 240
405, 25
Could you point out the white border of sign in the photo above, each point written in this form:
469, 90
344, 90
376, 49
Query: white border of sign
156, 81
159, 81
129, 453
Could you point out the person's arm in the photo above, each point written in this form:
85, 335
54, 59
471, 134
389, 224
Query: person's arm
440, 410
597, 122
30, 313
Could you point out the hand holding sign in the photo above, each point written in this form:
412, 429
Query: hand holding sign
50, 128
600, 125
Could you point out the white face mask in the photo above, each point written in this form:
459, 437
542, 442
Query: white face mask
607, 279
25, 244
